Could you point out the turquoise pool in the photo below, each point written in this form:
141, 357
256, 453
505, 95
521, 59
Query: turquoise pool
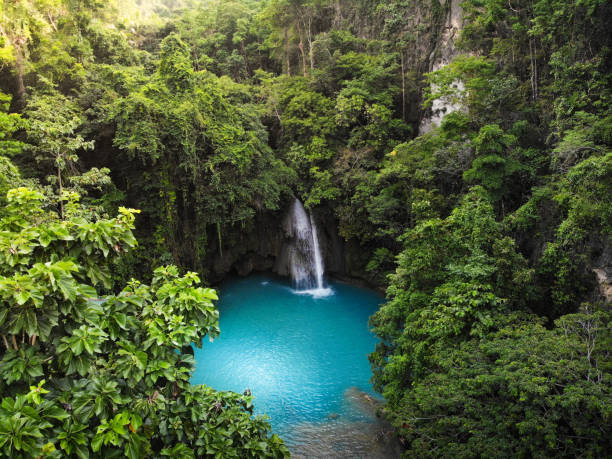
303, 356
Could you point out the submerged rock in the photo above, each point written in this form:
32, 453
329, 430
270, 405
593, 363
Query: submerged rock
363, 402
359, 433
339, 439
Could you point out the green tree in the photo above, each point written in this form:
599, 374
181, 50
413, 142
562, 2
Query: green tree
97, 376
522, 391
493, 166
53, 121
456, 278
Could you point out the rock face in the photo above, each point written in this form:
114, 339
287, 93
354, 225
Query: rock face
601, 264
604, 279
262, 247
245, 250
602, 267
445, 49
443, 53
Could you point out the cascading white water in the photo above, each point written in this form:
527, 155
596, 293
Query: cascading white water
318, 260
300, 252
304, 259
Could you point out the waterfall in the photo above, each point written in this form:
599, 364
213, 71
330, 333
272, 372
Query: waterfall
302, 253
318, 260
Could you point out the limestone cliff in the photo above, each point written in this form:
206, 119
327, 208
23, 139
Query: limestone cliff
444, 52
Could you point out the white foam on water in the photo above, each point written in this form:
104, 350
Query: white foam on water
316, 292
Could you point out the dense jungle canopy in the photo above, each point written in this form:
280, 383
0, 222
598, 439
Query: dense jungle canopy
460, 152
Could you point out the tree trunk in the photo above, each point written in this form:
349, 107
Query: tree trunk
246, 61
301, 48
310, 47
287, 60
403, 85
338, 14
534, 70
304, 67
19, 102
61, 191
311, 56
